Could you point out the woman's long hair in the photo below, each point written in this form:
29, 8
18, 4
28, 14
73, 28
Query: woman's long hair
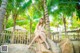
40, 23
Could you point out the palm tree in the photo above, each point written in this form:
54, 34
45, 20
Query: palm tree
2, 13
64, 22
18, 8
46, 17
15, 11
5, 20
8, 12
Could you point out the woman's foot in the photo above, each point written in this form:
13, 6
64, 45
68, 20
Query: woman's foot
28, 46
48, 47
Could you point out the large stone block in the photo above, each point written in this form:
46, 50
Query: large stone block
19, 48
66, 46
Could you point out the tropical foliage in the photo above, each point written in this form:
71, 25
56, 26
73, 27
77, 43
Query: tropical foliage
26, 13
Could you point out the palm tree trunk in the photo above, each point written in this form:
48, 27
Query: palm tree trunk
14, 18
64, 21
46, 17
30, 26
30, 30
5, 20
2, 13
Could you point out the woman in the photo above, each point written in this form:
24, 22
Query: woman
40, 33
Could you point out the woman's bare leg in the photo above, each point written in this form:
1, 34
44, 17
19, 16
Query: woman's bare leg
44, 39
33, 41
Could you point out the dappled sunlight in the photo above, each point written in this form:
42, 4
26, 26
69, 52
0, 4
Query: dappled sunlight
40, 26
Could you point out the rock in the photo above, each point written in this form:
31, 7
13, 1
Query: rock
19, 48
54, 47
76, 45
43, 49
66, 46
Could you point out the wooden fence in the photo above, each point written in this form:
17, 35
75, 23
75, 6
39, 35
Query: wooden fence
73, 35
22, 37
17, 37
